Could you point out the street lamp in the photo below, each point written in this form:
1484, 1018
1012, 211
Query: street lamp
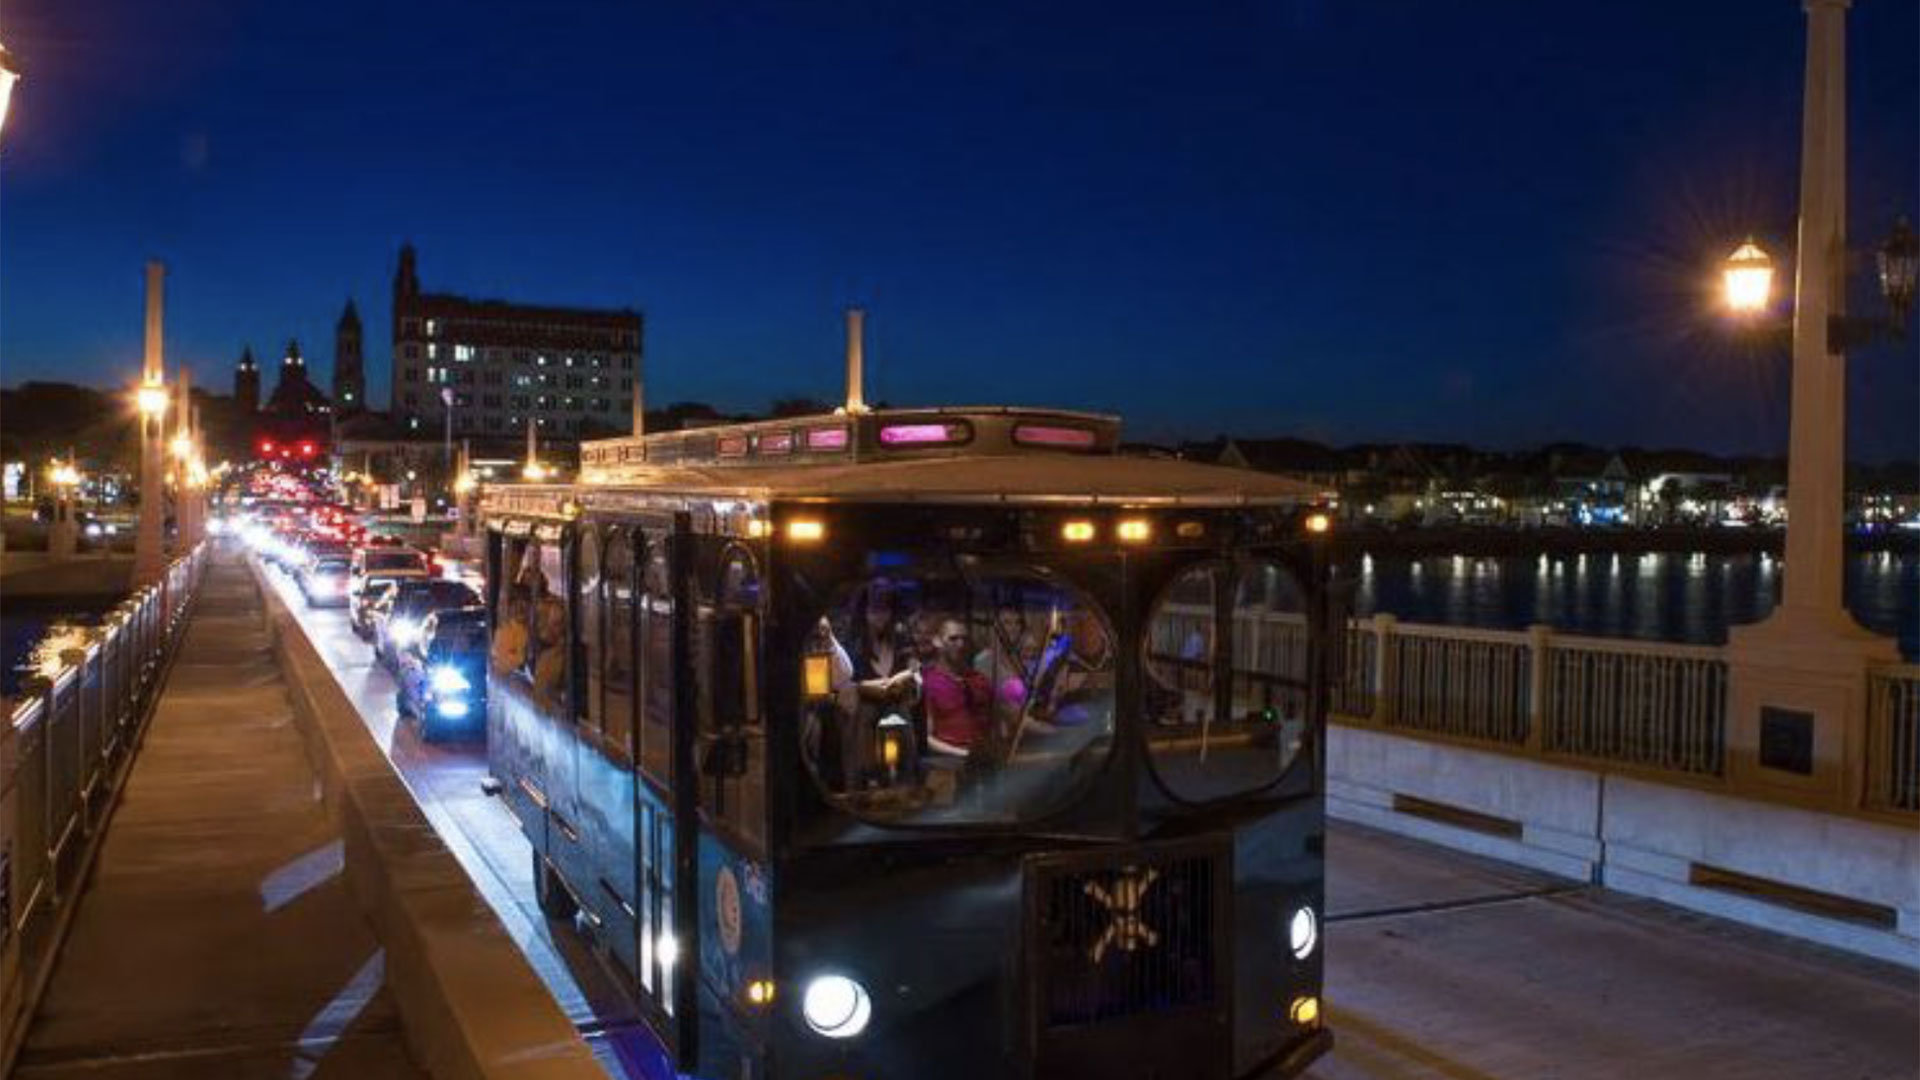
1797, 680
1747, 281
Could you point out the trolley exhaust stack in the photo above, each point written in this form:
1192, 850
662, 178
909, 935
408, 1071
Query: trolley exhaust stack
856, 362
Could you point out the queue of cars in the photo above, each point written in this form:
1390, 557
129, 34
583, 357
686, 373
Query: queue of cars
428, 630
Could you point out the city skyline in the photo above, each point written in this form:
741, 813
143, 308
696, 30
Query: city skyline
1298, 204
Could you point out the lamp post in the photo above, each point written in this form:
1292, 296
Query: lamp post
1797, 679
149, 555
64, 538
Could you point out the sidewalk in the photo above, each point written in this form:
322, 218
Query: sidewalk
217, 936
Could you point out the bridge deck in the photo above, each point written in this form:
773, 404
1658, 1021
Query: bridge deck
216, 936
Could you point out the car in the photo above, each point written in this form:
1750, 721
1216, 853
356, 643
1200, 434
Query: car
406, 611
323, 581
365, 606
389, 562
442, 674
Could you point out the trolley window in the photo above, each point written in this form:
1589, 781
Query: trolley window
726, 663
944, 693
531, 642
1226, 690
588, 631
656, 664
617, 680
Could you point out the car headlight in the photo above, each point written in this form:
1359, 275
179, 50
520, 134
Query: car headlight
447, 680
1303, 933
836, 1007
403, 632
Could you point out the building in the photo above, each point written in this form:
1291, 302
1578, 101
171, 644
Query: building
349, 364
496, 365
246, 384
296, 422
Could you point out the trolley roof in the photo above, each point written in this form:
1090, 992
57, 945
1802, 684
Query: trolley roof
989, 454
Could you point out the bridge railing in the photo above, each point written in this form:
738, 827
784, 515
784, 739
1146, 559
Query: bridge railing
64, 752
1657, 709
1893, 738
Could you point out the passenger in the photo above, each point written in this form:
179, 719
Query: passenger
1008, 660
882, 645
958, 699
509, 652
549, 639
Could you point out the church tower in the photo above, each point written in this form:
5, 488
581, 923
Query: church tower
246, 383
349, 365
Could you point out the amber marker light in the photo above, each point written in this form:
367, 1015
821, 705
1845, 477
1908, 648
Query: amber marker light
1077, 532
1305, 1011
1134, 530
1190, 530
1318, 523
760, 992
806, 531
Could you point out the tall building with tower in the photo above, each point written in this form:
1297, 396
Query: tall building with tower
246, 384
349, 364
569, 371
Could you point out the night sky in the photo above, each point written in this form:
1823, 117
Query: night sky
1365, 219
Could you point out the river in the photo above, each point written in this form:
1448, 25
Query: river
1656, 596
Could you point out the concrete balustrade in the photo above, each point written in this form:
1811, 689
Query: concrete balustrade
471, 1006
1607, 761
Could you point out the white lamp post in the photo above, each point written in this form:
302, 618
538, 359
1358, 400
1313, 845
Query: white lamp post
1797, 693
149, 546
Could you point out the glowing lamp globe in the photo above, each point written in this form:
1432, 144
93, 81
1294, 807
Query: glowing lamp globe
1748, 276
152, 399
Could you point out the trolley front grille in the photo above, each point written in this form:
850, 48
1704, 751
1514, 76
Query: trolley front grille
1127, 933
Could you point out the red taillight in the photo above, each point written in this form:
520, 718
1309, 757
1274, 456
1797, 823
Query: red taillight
306, 449
266, 446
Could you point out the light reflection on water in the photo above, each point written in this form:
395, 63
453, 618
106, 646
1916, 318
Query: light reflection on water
1675, 596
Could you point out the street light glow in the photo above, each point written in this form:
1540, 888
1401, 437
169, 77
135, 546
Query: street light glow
9, 74
183, 446
1748, 276
152, 399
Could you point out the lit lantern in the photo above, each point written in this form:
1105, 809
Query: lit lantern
899, 753
1748, 277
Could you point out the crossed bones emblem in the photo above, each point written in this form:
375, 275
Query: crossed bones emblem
1126, 929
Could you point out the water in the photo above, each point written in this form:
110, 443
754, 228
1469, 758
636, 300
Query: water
22, 631
1656, 597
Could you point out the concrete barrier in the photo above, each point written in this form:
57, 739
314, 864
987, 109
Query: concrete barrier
1845, 882
471, 1006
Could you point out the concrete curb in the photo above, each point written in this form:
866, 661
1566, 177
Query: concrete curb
470, 1005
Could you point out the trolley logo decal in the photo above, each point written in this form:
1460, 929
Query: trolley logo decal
726, 890
1126, 929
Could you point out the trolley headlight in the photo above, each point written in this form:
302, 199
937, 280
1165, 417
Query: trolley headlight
836, 1006
448, 680
1303, 933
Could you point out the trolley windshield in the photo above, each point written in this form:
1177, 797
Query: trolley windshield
948, 692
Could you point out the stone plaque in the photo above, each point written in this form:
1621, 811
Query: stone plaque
1786, 740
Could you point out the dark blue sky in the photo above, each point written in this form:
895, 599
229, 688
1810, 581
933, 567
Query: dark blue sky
1348, 220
